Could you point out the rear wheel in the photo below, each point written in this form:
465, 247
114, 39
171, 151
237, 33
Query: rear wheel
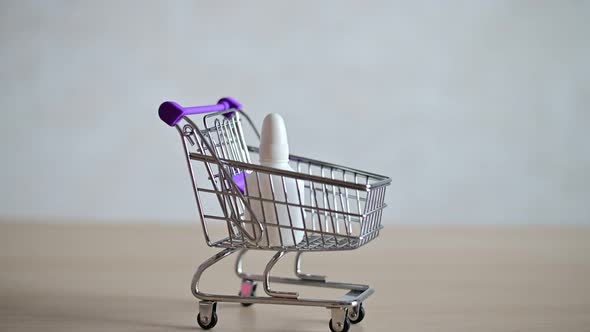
247, 289
208, 322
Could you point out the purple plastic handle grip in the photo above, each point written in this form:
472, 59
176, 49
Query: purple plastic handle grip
240, 181
171, 113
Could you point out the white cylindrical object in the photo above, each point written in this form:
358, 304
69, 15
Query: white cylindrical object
279, 219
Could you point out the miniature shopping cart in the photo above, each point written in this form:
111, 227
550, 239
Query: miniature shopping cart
341, 209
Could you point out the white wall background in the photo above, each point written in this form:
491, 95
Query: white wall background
478, 110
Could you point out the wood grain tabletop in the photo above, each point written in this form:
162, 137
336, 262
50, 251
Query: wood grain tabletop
428, 278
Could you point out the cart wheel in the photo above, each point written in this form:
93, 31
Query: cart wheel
210, 324
357, 314
344, 328
207, 323
248, 289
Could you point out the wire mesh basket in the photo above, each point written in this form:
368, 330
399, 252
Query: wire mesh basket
338, 208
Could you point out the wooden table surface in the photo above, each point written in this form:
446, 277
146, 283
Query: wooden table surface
136, 278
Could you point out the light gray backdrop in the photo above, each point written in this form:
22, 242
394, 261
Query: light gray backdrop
478, 110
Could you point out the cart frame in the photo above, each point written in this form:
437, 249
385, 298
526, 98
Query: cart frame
232, 161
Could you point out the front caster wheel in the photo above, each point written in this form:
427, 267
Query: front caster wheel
357, 314
340, 327
248, 289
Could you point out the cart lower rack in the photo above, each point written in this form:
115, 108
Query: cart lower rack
334, 208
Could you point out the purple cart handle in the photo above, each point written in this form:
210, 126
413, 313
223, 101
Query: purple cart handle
171, 113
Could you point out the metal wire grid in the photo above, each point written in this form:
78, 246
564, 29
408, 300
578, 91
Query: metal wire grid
340, 208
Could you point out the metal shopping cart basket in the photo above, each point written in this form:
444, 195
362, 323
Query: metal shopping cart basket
341, 209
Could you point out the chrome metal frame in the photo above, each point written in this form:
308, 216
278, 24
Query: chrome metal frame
355, 295
341, 209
